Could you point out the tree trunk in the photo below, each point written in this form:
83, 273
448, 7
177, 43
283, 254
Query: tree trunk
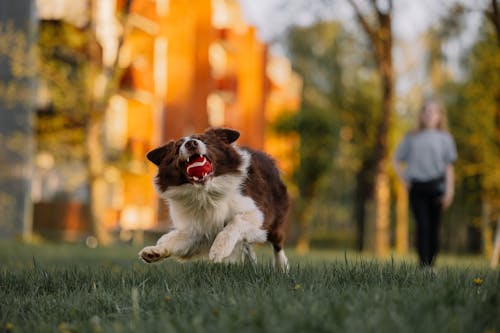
364, 188
97, 183
380, 35
305, 218
381, 182
486, 232
18, 28
104, 81
402, 219
95, 147
373, 190
493, 14
360, 214
496, 247
382, 215
494, 17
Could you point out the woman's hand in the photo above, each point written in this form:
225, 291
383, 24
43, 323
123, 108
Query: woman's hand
446, 200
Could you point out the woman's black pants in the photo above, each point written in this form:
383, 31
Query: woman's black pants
425, 203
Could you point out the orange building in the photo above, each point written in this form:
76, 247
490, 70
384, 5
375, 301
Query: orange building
189, 65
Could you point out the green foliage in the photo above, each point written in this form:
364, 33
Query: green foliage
73, 289
64, 75
63, 65
337, 120
17, 91
316, 122
472, 105
16, 57
316, 129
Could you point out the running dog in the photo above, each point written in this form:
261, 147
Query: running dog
222, 199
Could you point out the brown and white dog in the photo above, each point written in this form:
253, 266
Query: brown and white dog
222, 199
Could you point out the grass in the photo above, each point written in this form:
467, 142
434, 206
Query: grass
63, 288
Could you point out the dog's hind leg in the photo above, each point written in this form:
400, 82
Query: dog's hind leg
281, 261
276, 238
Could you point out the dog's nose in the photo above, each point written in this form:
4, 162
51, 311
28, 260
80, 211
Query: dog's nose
191, 144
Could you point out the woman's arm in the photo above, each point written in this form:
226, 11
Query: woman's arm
450, 186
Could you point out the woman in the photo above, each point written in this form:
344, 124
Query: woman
424, 162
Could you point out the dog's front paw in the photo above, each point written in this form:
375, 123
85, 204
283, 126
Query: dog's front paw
152, 254
221, 248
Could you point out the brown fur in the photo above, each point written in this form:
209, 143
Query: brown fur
265, 187
262, 181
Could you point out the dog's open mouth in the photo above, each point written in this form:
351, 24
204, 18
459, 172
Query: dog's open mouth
198, 168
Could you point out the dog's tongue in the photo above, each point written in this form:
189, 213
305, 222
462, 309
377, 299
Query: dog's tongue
198, 167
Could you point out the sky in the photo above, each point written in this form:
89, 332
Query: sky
272, 17
412, 17
410, 20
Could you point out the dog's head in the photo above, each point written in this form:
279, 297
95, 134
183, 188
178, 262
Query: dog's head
196, 159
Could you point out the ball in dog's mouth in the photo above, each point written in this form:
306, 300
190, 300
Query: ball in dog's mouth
198, 167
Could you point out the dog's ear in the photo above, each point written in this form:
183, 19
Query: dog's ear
225, 134
157, 155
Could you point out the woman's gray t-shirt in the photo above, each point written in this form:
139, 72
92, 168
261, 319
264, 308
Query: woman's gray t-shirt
426, 154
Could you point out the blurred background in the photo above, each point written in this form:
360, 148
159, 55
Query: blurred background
328, 87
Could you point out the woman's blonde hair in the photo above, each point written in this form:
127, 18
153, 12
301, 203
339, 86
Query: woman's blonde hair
443, 122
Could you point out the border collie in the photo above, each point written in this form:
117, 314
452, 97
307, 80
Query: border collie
222, 198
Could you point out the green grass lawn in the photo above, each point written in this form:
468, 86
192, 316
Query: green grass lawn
64, 288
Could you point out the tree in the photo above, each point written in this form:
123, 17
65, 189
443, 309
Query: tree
61, 113
80, 85
98, 73
376, 180
338, 95
479, 90
472, 108
315, 121
17, 90
493, 14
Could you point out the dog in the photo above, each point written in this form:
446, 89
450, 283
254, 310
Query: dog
222, 199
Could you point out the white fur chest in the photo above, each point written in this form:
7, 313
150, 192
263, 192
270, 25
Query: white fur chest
204, 210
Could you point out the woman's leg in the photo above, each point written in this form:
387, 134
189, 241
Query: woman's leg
420, 208
435, 219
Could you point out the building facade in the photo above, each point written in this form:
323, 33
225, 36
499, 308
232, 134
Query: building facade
185, 65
